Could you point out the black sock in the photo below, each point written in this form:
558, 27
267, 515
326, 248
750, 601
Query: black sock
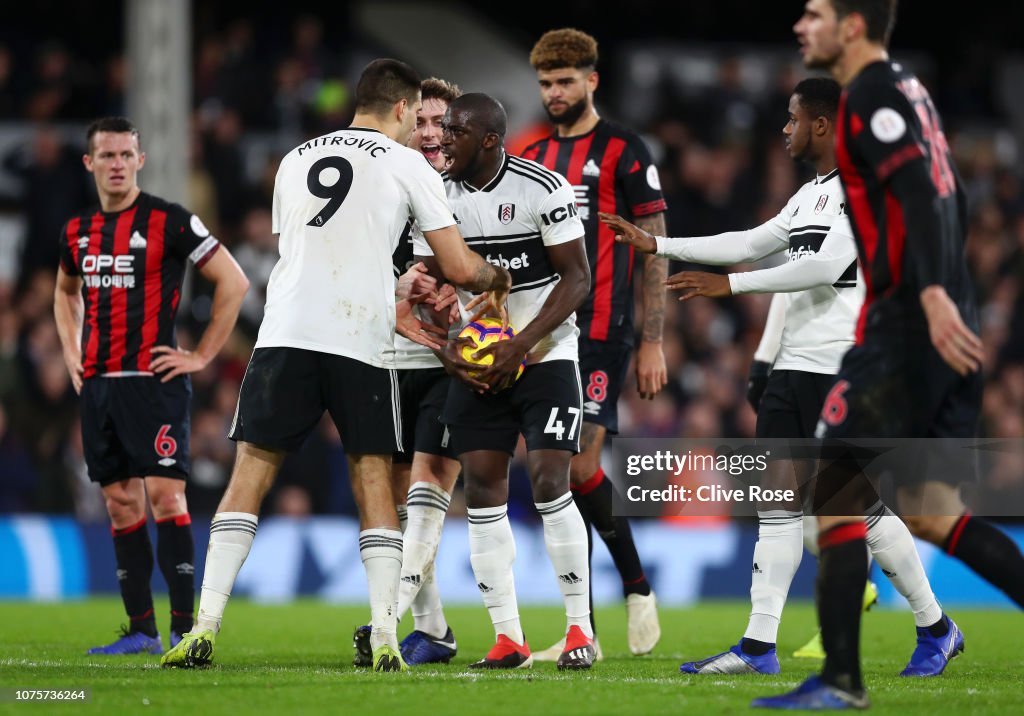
939, 628
990, 553
842, 573
134, 555
175, 551
755, 647
595, 499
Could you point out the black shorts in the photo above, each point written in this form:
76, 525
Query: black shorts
792, 403
903, 389
423, 392
603, 368
285, 392
136, 426
544, 405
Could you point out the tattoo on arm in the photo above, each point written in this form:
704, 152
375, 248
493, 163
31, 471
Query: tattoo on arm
655, 273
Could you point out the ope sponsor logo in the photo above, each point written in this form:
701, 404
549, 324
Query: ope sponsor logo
101, 263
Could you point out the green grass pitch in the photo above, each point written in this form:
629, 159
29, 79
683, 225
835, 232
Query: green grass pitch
296, 658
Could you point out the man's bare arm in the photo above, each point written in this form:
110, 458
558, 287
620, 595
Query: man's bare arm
68, 311
655, 273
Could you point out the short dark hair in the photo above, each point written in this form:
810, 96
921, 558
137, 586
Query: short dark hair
819, 96
115, 125
879, 16
568, 47
385, 82
486, 112
436, 88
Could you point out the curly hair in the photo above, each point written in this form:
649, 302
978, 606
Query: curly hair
568, 47
436, 88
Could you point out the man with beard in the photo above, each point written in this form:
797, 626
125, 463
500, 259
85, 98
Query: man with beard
610, 170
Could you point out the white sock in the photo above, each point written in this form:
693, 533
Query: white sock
893, 548
492, 550
381, 551
565, 535
428, 504
231, 535
811, 534
777, 556
403, 517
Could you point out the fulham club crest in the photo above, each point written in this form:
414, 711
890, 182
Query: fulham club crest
822, 200
506, 212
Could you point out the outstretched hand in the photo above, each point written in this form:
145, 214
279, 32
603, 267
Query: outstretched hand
699, 283
629, 234
489, 303
417, 331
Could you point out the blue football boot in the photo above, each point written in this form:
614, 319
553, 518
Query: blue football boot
933, 653
734, 661
421, 648
814, 695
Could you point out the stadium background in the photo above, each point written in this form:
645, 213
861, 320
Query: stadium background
709, 92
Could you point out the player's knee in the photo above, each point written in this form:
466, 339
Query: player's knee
168, 502
549, 485
124, 508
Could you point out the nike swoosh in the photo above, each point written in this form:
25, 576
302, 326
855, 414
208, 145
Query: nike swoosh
447, 644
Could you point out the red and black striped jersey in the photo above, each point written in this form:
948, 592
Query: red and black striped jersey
132, 263
610, 170
906, 204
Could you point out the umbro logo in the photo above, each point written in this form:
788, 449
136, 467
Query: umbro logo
484, 588
756, 569
137, 241
185, 568
122, 574
413, 579
569, 578
590, 169
167, 461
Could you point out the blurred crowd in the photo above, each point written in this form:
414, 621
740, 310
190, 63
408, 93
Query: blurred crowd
723, 167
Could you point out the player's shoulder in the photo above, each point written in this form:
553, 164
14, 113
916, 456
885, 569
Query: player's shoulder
537, 145
614, 129
878, 85
533, 176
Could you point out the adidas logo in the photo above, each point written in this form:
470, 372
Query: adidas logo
484, 588
590, 169
580, 654
569, 578
137, 241
413, 579
83, 242
756, 569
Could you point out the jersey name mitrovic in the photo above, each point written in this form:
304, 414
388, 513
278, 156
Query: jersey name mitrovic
341, 203
510, 222
820, 322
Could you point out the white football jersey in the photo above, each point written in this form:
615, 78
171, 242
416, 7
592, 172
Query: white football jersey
510, 222
820, 322
408, 354
341, 202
